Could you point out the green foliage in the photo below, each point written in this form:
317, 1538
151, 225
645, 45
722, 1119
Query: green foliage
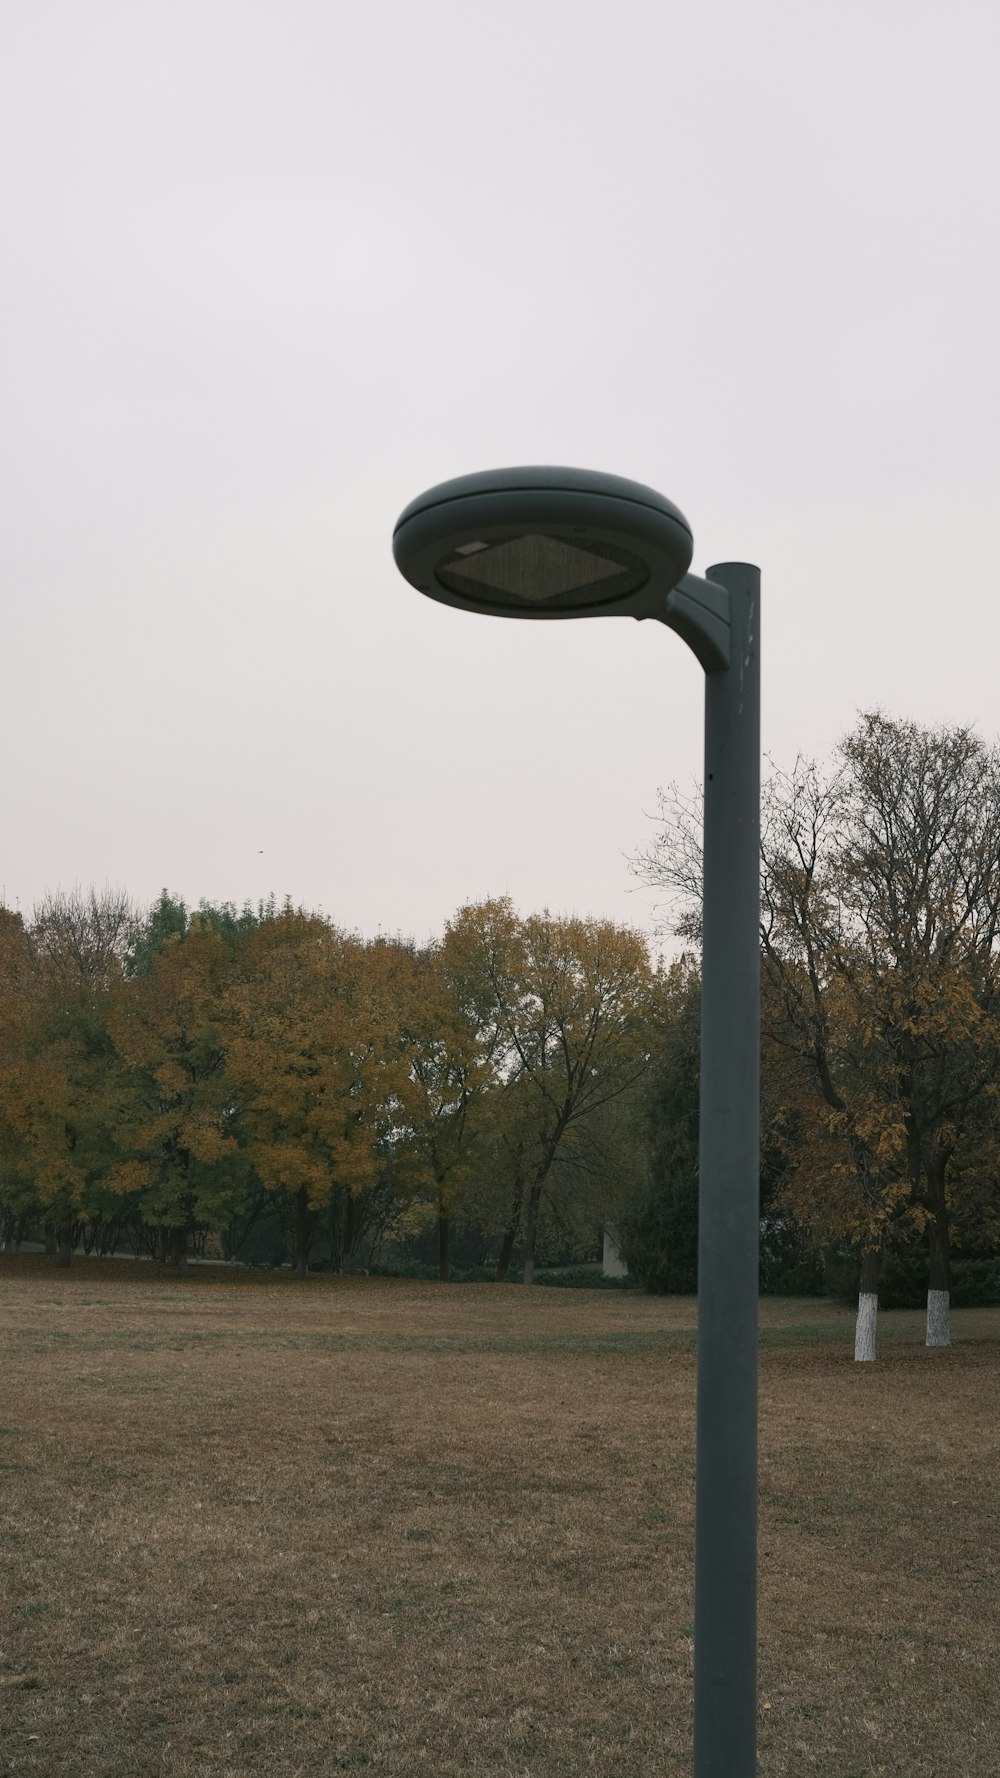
584, 1278
789, 1264
59, 1086
975, 1283
659, 1237
166, 919
842, 1271
565, 1012
791, 1260
503, 1093
235, 924
170, 918
658, 1230
880, 906
418, 1268
566, 1278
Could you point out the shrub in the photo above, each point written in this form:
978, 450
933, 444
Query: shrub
568, 1277
788, 1265
584, 1278
418, 1268
975, 1283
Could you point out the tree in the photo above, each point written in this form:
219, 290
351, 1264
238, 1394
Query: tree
85, 937
59, 1086
315, 1060
566, 1004
659, 1229
881, 992
169, 918
447, 1096
920, 888
601, 1166
166, 919
177, 1141
19, 1200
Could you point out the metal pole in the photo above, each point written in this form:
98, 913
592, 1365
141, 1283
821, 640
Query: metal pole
725, 1610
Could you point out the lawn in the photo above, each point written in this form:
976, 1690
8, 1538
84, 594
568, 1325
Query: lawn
251, 1527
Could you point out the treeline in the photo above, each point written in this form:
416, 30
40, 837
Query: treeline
248, 1082
178, 1080
880, 956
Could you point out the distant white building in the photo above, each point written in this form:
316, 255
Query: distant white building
613, 1266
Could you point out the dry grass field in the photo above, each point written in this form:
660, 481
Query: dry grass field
251, 1527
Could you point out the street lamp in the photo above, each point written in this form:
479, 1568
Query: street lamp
564, 543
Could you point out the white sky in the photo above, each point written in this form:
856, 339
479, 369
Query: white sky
270, 270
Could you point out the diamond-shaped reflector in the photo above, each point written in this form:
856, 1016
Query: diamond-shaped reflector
536, 568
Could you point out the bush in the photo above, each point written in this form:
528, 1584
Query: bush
659, 1244
266, 1244
902, 1280
418, 1268
569, 1277
404, 1268
584, 1278
842, 1272
658, 1237
788, 1265
975, 1283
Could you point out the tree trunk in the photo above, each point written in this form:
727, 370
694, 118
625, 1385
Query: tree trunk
530, 1234
506, 1249
178, 1251
302, 1233
444, 1257
939, 1275
50, 1237
114, 1235
510, 1234
64, 1254
336, 1249
864, 1335
13, 1233
348, 1227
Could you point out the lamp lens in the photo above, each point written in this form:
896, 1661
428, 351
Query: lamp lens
541, 570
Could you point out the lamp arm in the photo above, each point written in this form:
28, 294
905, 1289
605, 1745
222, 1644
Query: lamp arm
699, 612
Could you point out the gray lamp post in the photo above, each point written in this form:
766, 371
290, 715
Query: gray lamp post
563, 543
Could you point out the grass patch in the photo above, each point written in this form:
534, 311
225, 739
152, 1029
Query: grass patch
261, 1527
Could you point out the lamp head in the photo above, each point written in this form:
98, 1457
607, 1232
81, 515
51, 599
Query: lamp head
543, 543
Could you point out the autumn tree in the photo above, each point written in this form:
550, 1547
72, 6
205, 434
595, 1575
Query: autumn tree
315, 1060
169, 918
602, 1164
569, 1003
177, 1140
19, 1201
60, 1087
659, 1226
880, 913
446, 1109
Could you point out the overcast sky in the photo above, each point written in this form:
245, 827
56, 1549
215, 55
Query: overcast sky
271, 270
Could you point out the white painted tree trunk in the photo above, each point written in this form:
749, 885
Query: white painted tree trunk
864, 1333
939, 1318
